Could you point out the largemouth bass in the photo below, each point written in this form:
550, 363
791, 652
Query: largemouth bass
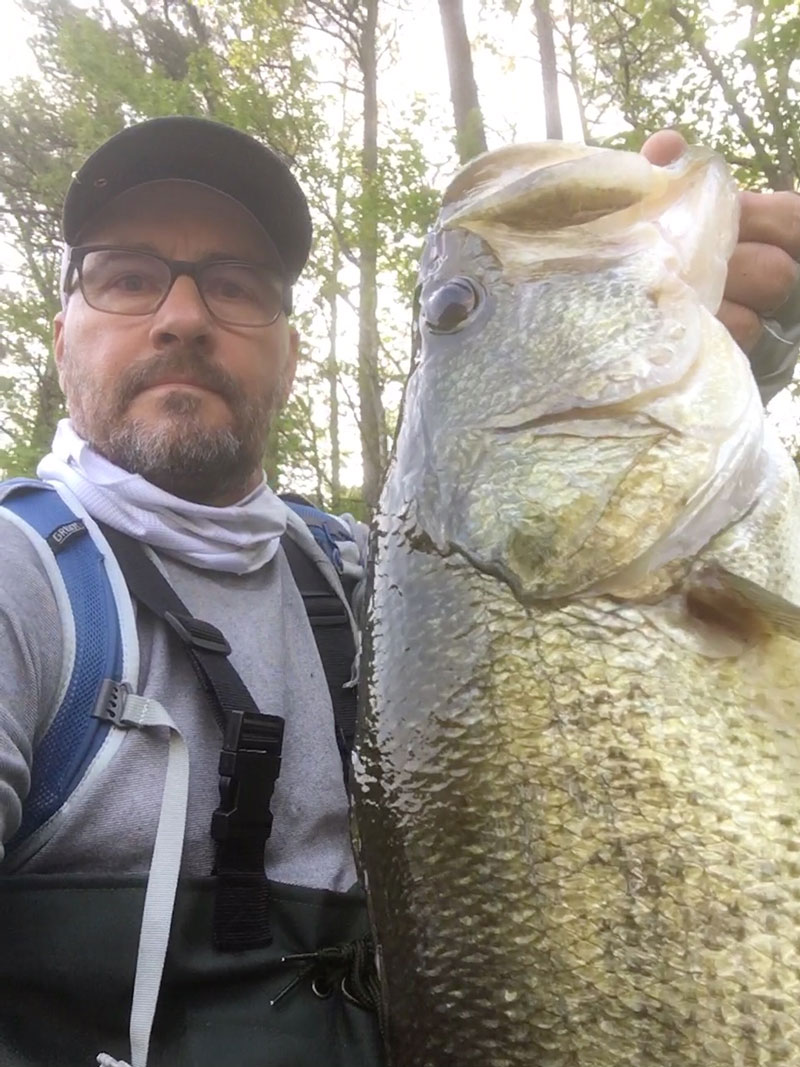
577, 773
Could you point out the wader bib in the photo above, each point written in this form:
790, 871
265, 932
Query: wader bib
67, 970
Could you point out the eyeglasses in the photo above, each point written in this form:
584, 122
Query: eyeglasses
124, 281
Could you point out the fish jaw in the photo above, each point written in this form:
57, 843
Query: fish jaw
589, 423
540, 205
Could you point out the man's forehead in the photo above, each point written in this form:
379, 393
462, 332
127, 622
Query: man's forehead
146, 214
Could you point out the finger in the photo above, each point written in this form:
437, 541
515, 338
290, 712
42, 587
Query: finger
742, 323
772, 219
663, 147
760, 276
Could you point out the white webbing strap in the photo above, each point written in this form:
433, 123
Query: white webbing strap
162, 881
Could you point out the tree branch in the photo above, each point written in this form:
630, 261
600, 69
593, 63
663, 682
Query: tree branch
730, 95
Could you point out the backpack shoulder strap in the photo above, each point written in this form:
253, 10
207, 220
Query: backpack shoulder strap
249, 763
100, 641
328, 616
94, 645
333, 536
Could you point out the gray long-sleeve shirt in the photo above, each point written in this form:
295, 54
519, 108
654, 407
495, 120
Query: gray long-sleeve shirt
111, 826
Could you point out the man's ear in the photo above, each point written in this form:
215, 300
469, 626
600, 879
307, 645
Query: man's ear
58, 346
287, 379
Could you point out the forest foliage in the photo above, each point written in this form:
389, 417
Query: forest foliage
318, 80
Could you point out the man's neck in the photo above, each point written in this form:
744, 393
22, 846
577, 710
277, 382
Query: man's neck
234, 494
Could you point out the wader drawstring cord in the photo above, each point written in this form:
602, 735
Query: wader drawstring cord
350, 965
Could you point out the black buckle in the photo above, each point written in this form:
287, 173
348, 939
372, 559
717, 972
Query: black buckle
249, 766
198, 634
325, 610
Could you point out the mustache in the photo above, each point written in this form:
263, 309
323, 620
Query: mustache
186, 362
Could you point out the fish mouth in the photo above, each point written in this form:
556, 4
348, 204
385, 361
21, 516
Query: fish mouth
626, 410
631, 411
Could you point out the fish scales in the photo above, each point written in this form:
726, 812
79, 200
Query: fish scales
577, 770
611, 909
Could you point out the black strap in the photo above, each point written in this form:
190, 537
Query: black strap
251, 753
205, 645
330, 625
249, 763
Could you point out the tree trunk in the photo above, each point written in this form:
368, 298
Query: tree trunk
49, 409
775, 93
332, 297
570, 47
470, 133
373, 419
547, 57
332, 374
271, 459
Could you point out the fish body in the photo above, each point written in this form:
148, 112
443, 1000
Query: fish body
577, 767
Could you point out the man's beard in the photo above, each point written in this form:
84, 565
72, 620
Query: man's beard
181, 455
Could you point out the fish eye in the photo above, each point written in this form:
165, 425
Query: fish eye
448, 307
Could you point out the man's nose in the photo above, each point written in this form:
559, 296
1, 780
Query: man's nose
183, 317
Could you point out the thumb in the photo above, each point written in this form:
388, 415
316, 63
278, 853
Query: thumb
663, 147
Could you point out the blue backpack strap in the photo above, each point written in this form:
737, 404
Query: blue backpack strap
329, 532
75, 736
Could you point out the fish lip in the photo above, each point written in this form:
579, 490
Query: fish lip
500, 427
590, 413
503, 425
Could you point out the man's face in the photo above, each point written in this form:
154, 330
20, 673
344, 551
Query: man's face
176, 396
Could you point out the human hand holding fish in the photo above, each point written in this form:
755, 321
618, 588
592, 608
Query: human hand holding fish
577, 767
761, 302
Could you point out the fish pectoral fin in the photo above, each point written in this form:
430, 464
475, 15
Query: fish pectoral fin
719, 597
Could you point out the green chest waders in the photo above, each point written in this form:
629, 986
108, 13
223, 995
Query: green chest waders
67, 970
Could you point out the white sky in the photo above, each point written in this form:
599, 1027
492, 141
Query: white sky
422, 65
15, 56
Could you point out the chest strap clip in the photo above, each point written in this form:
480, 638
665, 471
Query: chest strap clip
249, 767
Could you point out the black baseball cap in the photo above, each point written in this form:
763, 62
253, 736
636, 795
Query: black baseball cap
198, 150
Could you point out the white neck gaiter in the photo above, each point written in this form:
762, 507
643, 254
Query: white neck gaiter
239, 538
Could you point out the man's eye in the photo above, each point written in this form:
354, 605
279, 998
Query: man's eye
127, 282
230, 290
229, 286
131, 283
